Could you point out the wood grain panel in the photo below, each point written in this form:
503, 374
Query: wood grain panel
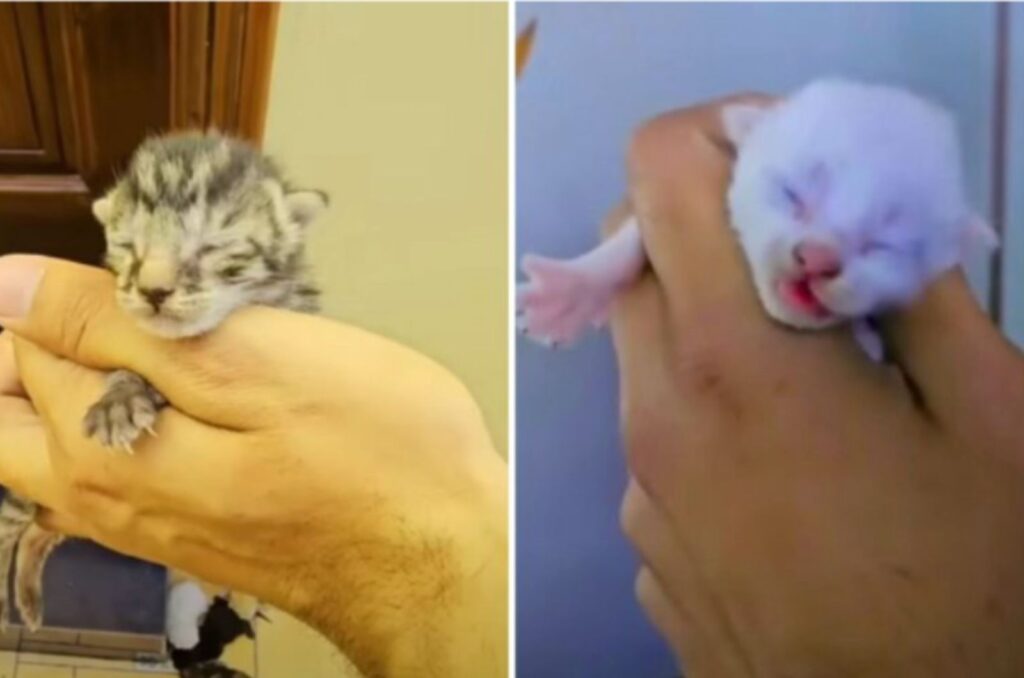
48, 214
82, 84
17, 126
190, 64
112, 73
240, 63
25, 85
221, 59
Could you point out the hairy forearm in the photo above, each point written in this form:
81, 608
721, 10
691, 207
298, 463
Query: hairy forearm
430, 601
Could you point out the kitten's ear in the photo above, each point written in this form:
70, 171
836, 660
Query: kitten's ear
979, 237
305, 206
103, 208
740, 120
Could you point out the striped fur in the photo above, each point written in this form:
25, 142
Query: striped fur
16, 516
199, 226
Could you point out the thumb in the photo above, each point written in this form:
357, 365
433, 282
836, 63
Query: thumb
70, 310
952, 351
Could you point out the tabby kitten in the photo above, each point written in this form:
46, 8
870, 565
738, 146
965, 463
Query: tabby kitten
200, 226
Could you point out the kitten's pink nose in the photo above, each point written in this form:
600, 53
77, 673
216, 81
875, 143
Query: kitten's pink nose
818, 259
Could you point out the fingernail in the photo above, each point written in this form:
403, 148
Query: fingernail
19, 279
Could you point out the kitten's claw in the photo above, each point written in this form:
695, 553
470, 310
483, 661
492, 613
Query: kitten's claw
560, 301
128, 408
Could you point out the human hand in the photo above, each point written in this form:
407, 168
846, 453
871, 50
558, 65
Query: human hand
335, 474
800, 511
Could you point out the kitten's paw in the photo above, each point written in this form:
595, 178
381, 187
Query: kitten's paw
559, 302
128, 408
30, 607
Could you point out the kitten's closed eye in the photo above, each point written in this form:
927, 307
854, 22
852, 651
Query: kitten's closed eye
794, 202
874, 246
231, 272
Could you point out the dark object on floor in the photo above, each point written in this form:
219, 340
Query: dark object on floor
116, 603
212, 670
220, 627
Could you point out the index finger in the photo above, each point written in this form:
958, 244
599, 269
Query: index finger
71, 311
680, 165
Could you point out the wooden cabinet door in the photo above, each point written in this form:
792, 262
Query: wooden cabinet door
81, 84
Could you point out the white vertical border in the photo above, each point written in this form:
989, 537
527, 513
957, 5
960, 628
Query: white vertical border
511, 277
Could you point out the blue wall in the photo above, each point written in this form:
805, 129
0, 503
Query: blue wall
596, 72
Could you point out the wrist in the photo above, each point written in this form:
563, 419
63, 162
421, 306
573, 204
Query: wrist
415, 590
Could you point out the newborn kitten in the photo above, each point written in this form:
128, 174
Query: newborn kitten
847, 199
200, 226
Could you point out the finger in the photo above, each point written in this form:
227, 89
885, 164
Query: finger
953, 353
62, 392
716, 331
675, 580
71, 311
680, 166
660, 612
10, 383
108, 487
25, 467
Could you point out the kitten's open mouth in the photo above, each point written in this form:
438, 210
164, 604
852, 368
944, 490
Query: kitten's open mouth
798, 295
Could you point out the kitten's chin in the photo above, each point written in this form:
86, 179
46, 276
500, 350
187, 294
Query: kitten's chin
173, 328
794, 307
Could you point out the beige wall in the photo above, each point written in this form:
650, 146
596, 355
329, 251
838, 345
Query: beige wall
399, 112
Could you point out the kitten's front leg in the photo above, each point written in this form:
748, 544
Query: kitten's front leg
562, 299
128, 407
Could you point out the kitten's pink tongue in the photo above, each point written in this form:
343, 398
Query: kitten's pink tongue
797, 293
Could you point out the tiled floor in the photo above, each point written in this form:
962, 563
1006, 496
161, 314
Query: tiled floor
284, 648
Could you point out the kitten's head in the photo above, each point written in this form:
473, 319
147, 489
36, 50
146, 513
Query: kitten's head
847, 199
201, 224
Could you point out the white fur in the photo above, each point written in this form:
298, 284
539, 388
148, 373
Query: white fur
876, 172
186, 605
881, 169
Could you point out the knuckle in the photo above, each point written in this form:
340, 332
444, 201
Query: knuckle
702, 368
643, 444
645, 589
631, 512
715, 366
99, 507
652, 135
748, 97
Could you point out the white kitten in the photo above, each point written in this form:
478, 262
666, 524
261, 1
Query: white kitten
846, 198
